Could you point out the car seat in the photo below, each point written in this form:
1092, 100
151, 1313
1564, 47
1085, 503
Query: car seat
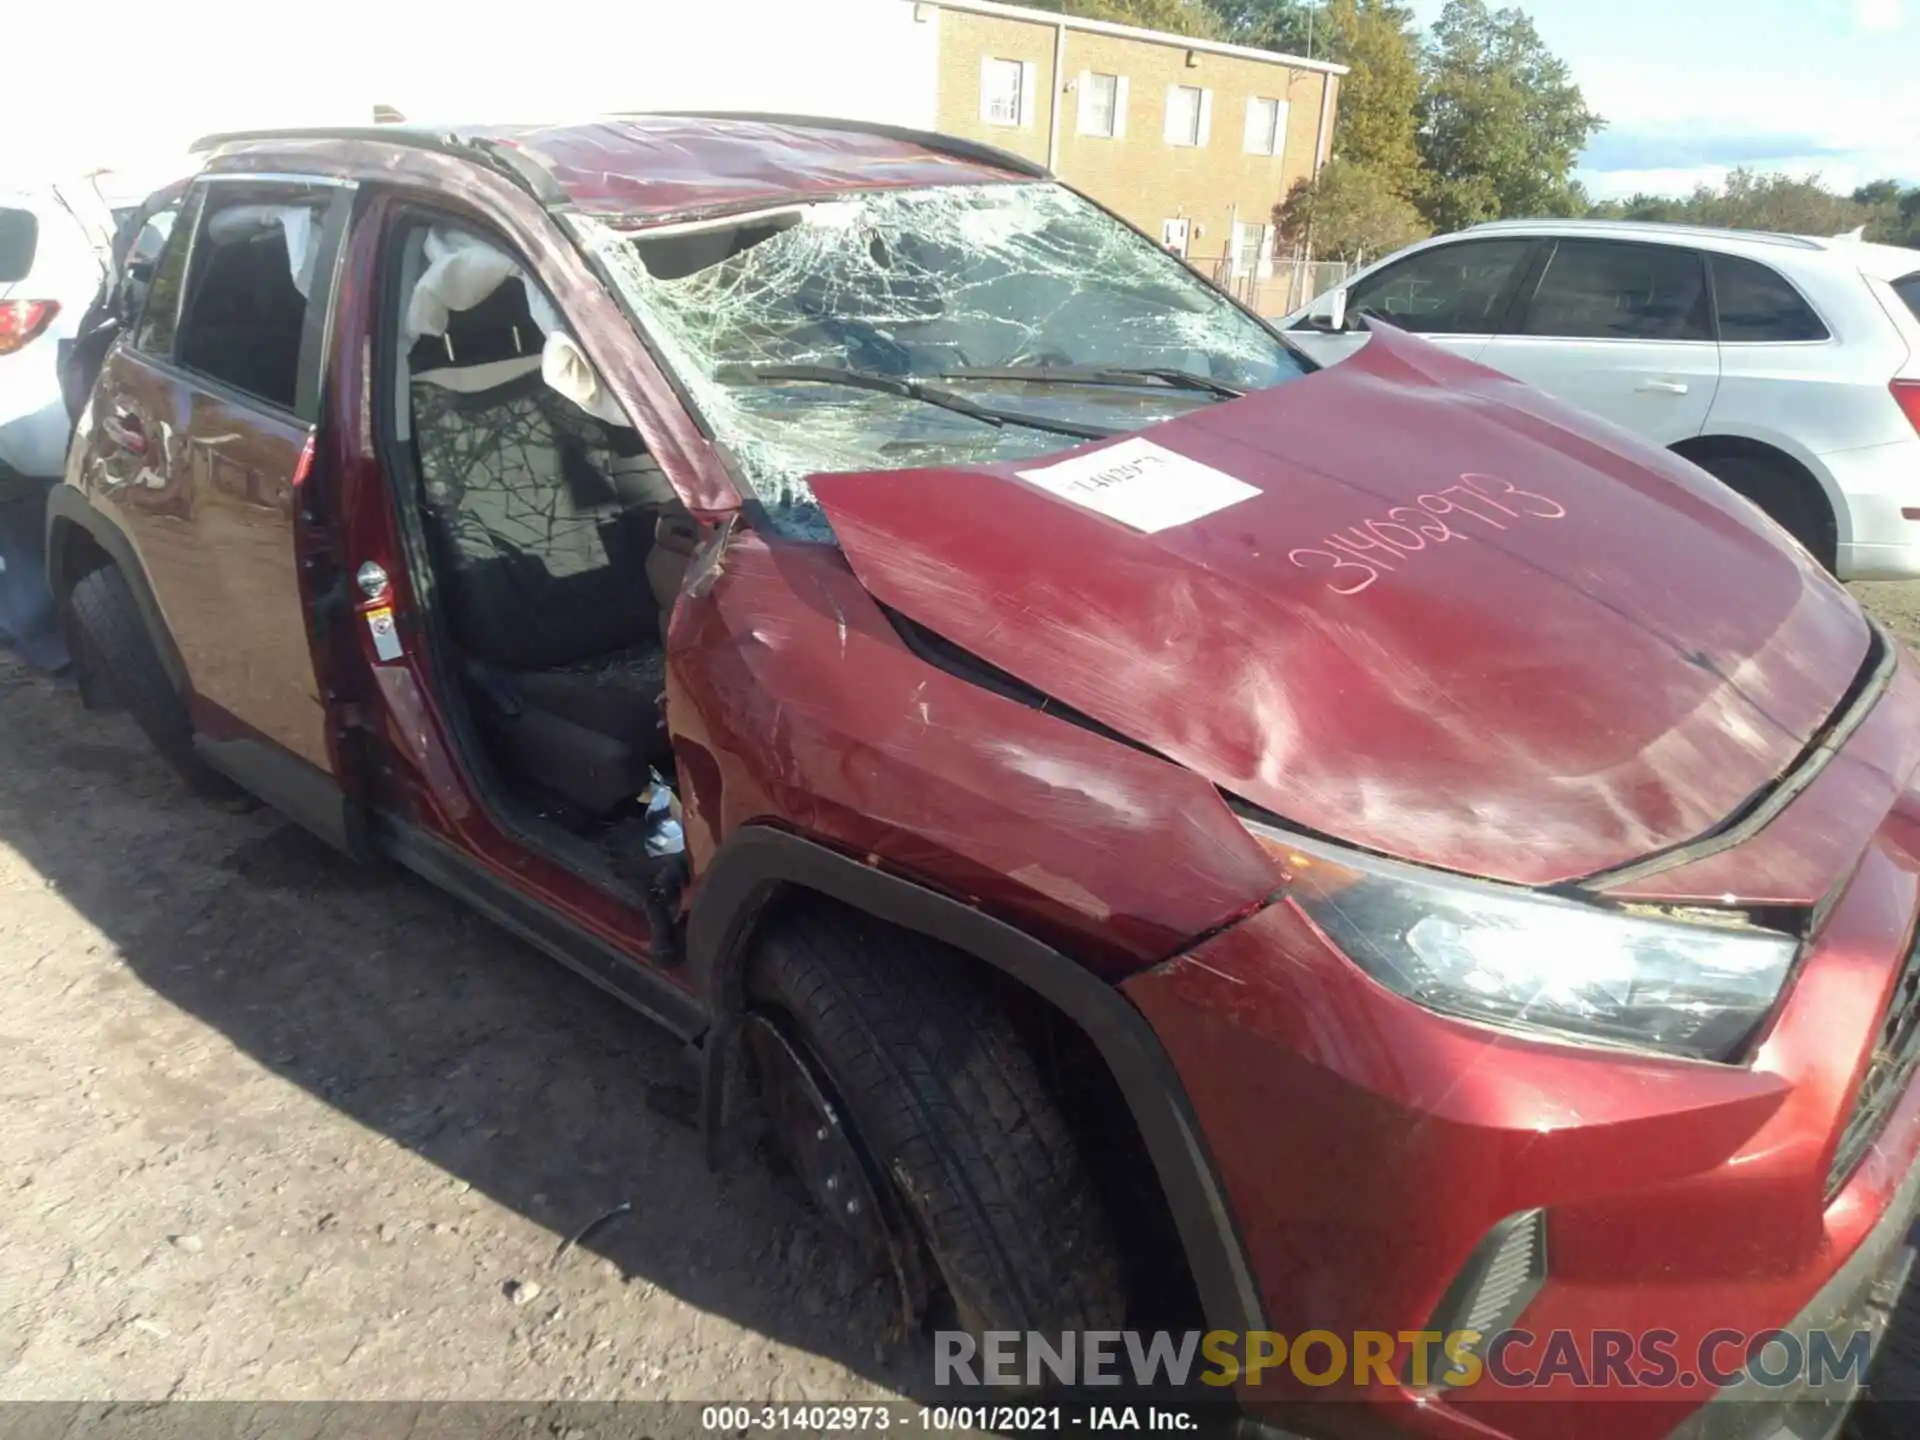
539, 518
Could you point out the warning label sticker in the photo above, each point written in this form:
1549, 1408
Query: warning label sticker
386, 639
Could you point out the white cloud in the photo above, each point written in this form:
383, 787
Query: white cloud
1877, 17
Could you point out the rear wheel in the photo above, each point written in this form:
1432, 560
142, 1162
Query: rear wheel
117, 648
1791, 499
966, 1158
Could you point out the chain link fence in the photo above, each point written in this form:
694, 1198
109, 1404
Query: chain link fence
1294, 282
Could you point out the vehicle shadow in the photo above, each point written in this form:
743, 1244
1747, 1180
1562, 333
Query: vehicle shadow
422, 1021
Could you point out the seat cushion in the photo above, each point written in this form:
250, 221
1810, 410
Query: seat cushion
617, 695
587, 769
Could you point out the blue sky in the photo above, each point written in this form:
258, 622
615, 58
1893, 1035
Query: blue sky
1692, 88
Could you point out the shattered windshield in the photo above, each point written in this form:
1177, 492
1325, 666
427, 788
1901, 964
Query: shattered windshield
877, 331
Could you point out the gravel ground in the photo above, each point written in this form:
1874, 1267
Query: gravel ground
273, 1126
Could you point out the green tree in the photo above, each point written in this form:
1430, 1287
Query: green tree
1347, 212
1748, 200
1501, 120
1641, 206
1290, 26
1377, 126
1182, 17
1895, 211
1752, 201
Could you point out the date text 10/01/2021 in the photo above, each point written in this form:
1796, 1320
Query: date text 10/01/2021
946, 1419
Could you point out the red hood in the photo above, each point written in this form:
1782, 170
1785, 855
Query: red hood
1452, 620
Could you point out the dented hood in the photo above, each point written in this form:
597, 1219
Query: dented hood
1404, 601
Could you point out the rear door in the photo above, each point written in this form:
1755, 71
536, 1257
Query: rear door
202, 432
1622, 329
1454, 294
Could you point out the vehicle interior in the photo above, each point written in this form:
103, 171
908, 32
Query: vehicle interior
552, 546
249, 310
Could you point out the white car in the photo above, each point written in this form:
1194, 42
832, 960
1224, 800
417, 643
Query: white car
1789, 367
54, 239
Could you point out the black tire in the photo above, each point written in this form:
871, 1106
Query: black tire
114, 638
949, 1103
1791, 499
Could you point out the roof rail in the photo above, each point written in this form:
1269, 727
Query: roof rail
930, 139
490, 150
1668, 227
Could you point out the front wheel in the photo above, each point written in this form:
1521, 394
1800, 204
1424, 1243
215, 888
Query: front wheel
948, 1109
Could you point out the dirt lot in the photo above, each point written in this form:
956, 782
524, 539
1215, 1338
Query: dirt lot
274, 1127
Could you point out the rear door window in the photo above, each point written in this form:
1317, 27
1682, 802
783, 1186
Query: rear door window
1606, 290
19, 238
244, 320
1908, 289
155, 299
1758, 306
1458, 289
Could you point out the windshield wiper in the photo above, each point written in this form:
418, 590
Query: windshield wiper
914, 390
1098, 375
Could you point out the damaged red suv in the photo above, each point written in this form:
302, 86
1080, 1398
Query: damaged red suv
1371, 849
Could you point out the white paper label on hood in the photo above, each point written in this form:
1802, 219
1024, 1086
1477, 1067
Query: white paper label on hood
1141, 484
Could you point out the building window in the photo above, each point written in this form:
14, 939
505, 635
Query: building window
1266, 126
1103, 104
1173, 235
1189, 114
1006, 91
1249, 248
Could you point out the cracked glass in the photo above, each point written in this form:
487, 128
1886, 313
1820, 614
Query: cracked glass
917, 285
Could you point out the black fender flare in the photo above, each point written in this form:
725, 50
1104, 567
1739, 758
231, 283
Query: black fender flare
757, 861
69, 510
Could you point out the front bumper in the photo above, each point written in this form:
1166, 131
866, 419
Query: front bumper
1861, 1297
1367, 1146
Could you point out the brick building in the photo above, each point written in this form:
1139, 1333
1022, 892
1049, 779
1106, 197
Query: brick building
1192, 140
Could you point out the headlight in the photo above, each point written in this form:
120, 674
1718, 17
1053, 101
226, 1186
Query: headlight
1518, 959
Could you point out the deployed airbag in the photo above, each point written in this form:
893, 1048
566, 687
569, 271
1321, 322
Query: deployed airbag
462, 270
241, 223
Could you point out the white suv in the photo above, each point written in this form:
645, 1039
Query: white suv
1788, 367
53, 245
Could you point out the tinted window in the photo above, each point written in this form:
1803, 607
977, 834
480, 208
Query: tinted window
246, 305
1601, 290
19, 237
156, 300
1450, 290
1909, 291
1757, 305
152, 238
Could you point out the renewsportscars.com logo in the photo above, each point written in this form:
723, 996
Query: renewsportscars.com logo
1509, 1360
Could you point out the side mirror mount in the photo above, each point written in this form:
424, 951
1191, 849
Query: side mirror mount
1328, 314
